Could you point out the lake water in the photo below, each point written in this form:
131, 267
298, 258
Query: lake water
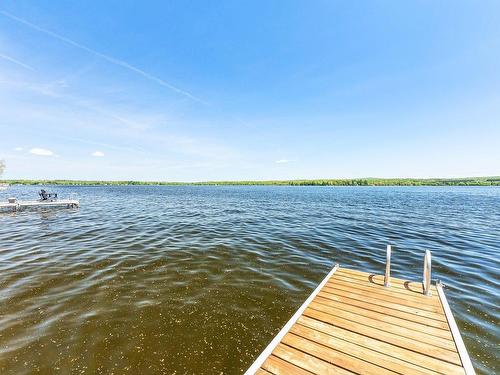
198, 279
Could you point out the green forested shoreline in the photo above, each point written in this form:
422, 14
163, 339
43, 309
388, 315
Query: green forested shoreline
469, 181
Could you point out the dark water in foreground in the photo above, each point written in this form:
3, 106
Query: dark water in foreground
199, 279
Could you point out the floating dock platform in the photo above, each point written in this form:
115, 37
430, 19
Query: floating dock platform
19, 205
360, 323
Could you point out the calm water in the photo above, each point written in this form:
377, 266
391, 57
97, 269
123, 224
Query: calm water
199, 279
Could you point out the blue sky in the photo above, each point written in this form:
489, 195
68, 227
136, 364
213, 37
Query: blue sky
197, 90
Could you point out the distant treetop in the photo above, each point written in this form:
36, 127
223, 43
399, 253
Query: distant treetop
466, 181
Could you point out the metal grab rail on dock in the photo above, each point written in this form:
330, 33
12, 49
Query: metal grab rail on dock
427, 273
387, 278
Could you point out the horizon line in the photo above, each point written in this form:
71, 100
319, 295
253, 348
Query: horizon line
379, 179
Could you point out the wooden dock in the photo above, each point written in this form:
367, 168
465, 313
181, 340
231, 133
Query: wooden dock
19, 205
353, 324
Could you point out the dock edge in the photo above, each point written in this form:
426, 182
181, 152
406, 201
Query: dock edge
457, 337
277, 339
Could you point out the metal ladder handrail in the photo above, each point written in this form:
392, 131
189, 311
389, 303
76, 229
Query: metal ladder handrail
427, 273
387, 278
426, 282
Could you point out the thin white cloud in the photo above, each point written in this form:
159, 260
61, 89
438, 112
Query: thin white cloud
108, 58
98, 154
41, 152
18, 149
52, 90
282, 161
133, 128
15, 61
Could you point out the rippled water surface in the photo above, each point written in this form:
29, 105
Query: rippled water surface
199, 279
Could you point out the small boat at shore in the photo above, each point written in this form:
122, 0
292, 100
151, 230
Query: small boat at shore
4, 186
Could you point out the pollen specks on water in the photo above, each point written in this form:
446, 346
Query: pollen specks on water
197, 280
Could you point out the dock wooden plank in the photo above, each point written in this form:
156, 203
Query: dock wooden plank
353, 324
387, 298
384, 310
263, 372
403, 342
391, 327
398, 353
335, 357
386, 292
411, 286
278, 366
307, 361
386, 318
357, 351
376, 301
404, 333
375, 281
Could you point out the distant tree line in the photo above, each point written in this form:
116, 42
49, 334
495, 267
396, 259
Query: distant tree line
470, 181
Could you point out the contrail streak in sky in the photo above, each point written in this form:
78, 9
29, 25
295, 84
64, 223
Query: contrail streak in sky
108, 58
17, 62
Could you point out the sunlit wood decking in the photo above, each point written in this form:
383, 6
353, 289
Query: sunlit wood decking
353, 324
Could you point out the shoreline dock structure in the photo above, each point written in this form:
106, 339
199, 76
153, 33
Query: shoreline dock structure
14, 205
355, 322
